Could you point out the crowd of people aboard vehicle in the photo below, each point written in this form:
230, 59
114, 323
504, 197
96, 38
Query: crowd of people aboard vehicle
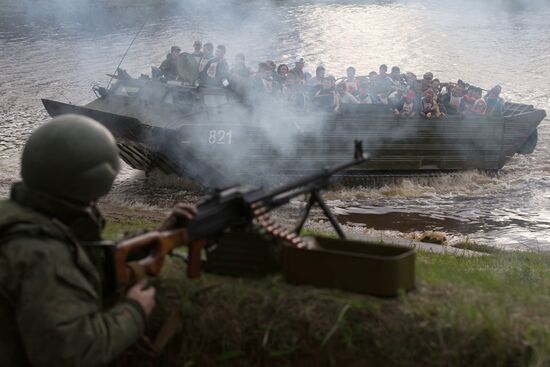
403, 93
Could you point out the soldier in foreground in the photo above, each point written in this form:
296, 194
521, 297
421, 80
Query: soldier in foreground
53, 288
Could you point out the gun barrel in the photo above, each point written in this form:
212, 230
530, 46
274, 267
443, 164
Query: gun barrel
237, 205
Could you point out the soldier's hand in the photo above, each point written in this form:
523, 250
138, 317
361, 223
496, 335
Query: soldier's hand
180, 216
142, 295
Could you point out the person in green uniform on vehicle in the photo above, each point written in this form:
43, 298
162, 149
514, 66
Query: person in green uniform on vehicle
53, 286
168, 67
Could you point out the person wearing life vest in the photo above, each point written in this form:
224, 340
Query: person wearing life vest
54, 286
216, 70
472, 103
480, 105
207, 55
429, 107
467, 101
408, 109
438, 96
455, 95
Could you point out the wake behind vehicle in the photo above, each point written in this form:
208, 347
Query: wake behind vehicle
210, 135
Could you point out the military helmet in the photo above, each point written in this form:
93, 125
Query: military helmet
72, 157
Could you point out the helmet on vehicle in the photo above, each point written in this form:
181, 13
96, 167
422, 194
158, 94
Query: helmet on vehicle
72, 157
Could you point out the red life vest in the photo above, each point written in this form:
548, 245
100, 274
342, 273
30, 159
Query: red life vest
480, 107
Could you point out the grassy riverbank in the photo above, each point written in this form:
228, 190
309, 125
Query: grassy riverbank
483, 311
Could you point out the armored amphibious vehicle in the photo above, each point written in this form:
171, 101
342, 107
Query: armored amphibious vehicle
213, 136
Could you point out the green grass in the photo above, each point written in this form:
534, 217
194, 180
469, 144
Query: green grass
121, 227
474, 246
466, 311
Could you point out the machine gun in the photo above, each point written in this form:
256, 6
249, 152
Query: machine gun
230, 208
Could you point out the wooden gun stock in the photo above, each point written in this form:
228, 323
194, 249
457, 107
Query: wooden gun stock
159, 244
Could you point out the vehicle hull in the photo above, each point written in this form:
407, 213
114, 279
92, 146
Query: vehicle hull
214, 146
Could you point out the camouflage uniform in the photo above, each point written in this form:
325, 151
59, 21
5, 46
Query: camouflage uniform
169, 67
52, 292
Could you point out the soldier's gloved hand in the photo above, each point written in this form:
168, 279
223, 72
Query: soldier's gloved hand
143, 295
180, 216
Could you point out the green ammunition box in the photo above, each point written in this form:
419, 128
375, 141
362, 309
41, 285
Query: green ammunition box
362, 267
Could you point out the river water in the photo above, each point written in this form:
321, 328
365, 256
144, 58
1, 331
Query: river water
59, 51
